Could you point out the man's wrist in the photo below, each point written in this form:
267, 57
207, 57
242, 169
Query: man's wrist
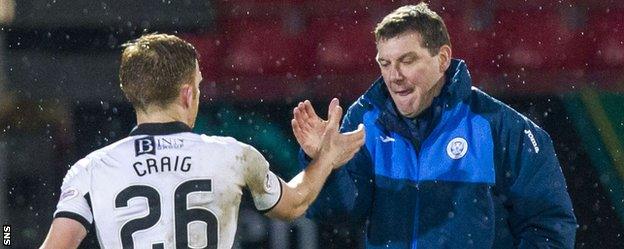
324, 162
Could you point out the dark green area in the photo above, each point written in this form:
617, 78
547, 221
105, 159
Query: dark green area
594, 146
253, 128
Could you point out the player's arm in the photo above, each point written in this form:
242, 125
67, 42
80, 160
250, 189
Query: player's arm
335, 150
73, 213
300, 192
347, 193
64, 233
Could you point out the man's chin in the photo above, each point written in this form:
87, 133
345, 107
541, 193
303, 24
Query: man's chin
408, 114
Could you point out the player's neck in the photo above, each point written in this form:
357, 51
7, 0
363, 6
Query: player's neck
161, 115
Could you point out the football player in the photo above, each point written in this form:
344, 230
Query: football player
166, 187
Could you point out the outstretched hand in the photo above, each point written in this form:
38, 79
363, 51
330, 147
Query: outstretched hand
308, 127
321, 138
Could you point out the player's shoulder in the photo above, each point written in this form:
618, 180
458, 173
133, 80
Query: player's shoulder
224, 142
242, 153
221, 140
104, 151
83, 166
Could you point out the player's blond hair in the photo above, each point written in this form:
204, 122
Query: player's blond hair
154, 67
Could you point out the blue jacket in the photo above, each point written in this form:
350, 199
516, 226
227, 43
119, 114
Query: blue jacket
470, 172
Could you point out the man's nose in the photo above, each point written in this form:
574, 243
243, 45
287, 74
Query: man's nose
395, 74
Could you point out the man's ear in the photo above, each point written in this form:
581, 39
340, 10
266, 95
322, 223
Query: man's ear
445, 57
186, 95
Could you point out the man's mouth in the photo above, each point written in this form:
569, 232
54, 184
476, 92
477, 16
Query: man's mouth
404, 92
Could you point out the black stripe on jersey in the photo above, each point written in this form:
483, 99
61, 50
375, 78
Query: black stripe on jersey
278, 199
88, 197
158, 246
74, 216
159, 129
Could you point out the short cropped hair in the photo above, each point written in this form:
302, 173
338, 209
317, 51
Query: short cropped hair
417, 18
154, 67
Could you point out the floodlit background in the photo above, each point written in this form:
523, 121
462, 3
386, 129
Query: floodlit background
559, 62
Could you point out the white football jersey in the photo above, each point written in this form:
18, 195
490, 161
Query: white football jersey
166, 187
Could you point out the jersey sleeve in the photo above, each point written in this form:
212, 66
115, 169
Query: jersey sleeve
74, 200
264, 185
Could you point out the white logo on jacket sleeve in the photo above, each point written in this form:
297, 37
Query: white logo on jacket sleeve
533, 141
457, 148
386, 139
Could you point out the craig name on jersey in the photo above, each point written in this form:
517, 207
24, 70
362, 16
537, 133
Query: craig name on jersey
149, 145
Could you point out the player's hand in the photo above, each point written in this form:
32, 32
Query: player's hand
335, 147
308, 127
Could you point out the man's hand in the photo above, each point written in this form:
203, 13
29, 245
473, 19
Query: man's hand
331, 149
320, 138
308, 127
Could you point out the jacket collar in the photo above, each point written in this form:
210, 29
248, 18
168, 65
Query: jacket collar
159, 129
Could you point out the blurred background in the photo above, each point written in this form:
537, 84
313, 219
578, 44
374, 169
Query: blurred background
561, 63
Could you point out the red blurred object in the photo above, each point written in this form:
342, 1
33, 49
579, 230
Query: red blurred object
472, 40
210, 50
343, 45
537, 39
606, 29
266, 48
264, 57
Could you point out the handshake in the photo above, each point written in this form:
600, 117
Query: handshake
320, 139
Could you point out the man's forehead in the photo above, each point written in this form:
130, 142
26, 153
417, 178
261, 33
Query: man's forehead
399, 45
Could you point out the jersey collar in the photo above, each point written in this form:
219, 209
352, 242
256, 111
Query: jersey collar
158, 129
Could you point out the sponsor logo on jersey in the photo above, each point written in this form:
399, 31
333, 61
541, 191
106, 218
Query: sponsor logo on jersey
149, 145
169, 143
145, 145
69, 194
457, 148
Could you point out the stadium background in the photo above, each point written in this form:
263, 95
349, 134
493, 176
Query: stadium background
559, 62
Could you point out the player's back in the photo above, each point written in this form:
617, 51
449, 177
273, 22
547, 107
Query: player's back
166, 187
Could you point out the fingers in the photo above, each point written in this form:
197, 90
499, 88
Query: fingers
302, 110
300, 117
296, 129
308, 109
335, 114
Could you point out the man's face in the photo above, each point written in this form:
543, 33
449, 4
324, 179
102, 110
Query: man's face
195, 105
410, 72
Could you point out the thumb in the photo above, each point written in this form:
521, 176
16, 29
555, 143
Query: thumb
359, 130
334, 102
335, 113
357, 135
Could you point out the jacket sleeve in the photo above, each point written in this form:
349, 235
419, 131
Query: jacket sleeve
348, 191
540, 209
